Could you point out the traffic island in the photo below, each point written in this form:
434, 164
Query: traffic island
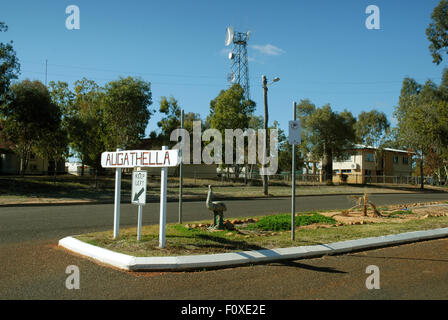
257, 240
195, 262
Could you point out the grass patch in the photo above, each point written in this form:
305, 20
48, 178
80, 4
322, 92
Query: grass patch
399, 213
282, 222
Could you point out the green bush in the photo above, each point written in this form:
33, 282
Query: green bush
282, 222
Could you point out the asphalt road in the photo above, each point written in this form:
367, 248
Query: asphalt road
33, 267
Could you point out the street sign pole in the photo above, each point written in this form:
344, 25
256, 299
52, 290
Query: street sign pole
294, 138
293, 193
117, 201
138, 195
162, 223
139, 225
180, 167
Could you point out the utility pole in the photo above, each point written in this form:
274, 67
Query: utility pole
266, 118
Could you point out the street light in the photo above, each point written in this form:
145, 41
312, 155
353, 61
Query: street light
266, 118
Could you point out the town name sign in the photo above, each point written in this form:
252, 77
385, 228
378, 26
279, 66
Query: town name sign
140, 158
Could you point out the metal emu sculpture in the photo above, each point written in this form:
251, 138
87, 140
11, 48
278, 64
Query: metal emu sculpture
218, 209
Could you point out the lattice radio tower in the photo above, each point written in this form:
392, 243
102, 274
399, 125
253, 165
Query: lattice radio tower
239, 66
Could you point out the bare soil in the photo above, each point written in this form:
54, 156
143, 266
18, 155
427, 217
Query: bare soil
393, 213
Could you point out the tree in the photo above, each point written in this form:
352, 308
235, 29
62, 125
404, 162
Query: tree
190, 118
372, 129
422, 115
327, 134
285, 152
82, 119
61, 94
231, 110
170, 122
126, 112
437, 31
29, 119
53, 145
9, 66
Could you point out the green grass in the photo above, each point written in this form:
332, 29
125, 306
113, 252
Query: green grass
282, 222
399, 213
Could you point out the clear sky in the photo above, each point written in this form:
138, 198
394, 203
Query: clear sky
321, 50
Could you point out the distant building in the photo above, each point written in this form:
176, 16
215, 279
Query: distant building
360, 166
75, 168
10, 162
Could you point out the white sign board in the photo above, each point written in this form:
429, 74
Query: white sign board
138, 195
140, 158
294, 132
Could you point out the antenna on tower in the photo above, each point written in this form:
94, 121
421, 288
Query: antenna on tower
239, 65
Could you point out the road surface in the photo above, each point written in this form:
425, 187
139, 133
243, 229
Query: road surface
33, 267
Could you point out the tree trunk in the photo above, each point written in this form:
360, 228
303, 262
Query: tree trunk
421, 172
327, 166
446, 174
54, 171
24, 158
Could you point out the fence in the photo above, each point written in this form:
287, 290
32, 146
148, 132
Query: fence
196, 178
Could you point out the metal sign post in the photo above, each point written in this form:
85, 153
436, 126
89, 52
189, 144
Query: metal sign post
140, 158
162, 223
180, 167
117, 201
138, 195
294, 138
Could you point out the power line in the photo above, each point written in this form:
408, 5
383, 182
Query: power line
208, 84
220, 77
113, 79
129, 72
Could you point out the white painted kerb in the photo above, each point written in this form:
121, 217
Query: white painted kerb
127, 262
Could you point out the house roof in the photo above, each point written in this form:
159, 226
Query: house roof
362, 146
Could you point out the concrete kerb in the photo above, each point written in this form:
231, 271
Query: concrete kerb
178, 263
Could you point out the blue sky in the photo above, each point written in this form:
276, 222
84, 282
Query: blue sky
321, 50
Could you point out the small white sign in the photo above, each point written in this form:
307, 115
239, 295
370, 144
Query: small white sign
294, 132
138, 195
